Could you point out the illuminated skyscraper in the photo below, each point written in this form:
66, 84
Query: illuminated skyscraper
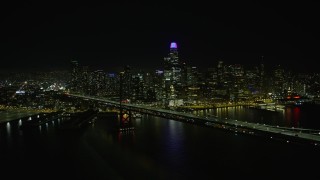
74, 75
278, 81
127, 83
172, 67
172, 72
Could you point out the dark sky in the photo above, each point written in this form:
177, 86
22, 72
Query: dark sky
109, 35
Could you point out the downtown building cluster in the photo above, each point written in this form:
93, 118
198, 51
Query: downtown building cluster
174, 84
34, 90
177, 83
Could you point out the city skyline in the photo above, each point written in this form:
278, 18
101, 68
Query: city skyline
112, 35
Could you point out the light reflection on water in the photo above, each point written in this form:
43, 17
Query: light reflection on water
288, 117
8, 128
20, 122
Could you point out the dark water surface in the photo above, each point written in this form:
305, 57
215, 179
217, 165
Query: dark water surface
306, 116
157, 149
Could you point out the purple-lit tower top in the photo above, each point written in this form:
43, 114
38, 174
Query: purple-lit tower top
173, 45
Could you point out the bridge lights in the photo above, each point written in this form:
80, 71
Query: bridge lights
125, 118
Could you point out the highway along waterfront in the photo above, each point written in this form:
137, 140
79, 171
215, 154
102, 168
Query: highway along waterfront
158, 148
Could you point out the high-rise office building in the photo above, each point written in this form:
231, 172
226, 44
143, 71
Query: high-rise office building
126, 83
172, 73
278, 81
172, 66
75, 75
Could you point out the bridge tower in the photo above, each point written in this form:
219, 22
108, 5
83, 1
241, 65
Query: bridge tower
125, 115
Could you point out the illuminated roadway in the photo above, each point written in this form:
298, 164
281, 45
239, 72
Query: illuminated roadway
295, 134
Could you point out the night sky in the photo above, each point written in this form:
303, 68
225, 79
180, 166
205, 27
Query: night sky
111, 35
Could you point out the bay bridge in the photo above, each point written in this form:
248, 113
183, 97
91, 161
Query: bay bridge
286, 134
